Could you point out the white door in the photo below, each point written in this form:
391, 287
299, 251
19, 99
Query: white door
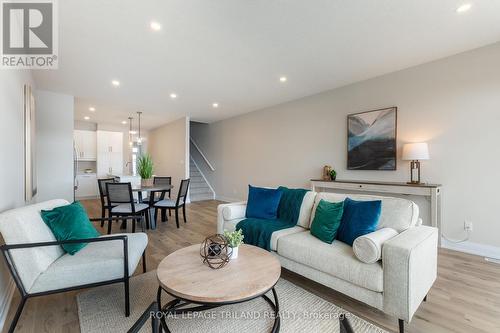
89, 146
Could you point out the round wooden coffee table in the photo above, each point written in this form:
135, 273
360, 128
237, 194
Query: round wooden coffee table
197, 287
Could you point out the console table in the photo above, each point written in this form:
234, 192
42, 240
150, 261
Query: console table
431, 191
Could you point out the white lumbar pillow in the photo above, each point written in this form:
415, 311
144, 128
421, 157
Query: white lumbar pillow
368, 248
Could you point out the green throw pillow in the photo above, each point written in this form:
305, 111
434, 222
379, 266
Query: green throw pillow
327, 220
70, 222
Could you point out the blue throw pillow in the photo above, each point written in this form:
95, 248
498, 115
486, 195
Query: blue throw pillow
263, 203
359, 218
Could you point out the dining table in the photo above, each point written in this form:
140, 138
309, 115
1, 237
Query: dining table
150, 190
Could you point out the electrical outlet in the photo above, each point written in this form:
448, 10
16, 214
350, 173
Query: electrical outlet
467, 225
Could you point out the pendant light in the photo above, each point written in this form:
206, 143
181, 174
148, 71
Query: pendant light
139, 138
130, 131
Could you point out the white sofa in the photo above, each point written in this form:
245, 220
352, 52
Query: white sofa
40, 266
396, 284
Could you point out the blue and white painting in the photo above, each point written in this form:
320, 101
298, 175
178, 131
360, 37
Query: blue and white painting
371, 142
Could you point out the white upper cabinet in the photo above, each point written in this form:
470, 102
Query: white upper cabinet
109, 142
110, 153
86, 145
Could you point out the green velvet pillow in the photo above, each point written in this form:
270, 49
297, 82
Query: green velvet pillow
70, 222
327, 220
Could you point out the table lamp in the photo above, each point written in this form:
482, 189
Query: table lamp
415, 152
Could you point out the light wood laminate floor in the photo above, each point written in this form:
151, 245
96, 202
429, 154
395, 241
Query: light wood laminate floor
465, 297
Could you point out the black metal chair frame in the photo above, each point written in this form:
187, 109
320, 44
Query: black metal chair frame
152, 200
131, 202
177, 205
25, 294
101, 184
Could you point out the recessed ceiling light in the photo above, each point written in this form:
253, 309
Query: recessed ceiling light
283, 79
116, 83
173, 95
124, 122
215, 105
86, 118
92, 109
155, 26
463, 8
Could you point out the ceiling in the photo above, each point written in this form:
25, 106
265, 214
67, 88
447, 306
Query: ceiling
233, 52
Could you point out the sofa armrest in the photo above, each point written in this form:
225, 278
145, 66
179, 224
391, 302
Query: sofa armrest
410, 269
228, 212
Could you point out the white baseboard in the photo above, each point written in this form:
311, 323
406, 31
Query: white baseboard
5, 303
226, 199
483, 250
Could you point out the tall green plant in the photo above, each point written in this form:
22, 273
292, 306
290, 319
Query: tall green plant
145, 166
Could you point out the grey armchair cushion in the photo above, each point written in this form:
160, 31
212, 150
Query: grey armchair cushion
126, 209
25, 225
97, 262
167, 203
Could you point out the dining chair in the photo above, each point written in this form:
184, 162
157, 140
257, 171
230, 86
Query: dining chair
180, 202
105, 207
121, 198
159, 195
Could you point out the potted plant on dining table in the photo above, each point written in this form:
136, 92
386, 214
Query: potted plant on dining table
145, 169
234, 240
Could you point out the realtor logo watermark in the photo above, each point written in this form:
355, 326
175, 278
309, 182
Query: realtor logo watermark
29, 34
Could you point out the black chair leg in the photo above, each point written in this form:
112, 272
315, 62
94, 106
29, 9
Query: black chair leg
184, 212
163, 214
149, 224
401, 326
127, 298
124, 224
144, 261
169, 212
156, 215
103, 215
109, 226
17, 315
177, 217
425, 298
134, 222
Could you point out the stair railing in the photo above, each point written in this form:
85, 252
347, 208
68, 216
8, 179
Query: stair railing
202, 155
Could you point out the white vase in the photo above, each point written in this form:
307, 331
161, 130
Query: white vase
234, 253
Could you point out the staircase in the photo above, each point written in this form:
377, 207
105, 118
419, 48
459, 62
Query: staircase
198, 187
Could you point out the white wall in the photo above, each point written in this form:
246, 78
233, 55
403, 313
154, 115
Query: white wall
453, 104
11, 159
54, 145
169, 149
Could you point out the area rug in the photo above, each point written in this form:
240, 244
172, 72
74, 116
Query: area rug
101, 310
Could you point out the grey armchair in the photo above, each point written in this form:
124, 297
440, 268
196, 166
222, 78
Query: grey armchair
39, 265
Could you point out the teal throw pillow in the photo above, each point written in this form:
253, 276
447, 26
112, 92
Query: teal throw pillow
70, 222
327, 220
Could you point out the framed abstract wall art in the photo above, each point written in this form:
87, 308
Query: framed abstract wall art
371, 140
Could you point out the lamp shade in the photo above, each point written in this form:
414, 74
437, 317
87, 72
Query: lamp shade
415, 151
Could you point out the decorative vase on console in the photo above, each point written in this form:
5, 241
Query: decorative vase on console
145, 169
234, 240
333, 174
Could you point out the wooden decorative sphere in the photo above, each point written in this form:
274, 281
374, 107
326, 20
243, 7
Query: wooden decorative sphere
215, 251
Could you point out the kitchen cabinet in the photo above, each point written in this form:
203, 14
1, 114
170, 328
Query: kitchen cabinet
85, 145
109, 153
86, 186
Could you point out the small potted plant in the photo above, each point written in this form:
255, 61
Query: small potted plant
333, 174
145, 169
234, 239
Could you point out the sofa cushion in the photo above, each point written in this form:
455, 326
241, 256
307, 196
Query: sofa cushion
97, 262
336, 259
276, 236
25, 225
231, 225
397, 213
306, 209
327, 220
368, 248
263, 203
360, 218
70, 222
